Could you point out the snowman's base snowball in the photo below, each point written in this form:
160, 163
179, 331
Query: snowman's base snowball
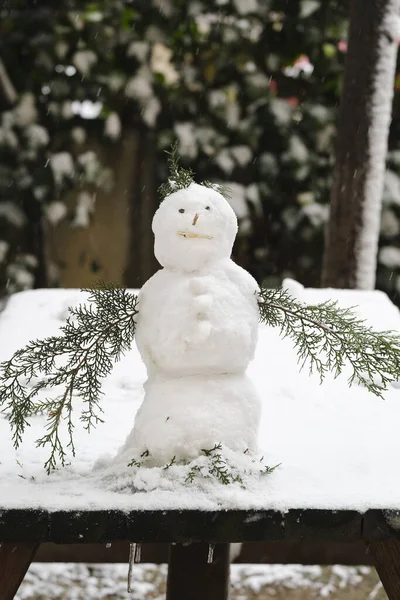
179, 417
217, 475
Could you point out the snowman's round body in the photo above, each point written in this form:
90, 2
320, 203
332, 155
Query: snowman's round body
196, 332
203, 322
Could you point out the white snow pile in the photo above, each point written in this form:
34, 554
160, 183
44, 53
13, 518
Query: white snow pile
218, 463
338, 446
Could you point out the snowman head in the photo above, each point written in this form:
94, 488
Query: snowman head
193, 228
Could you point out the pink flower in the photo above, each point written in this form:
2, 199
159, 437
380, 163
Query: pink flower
292, 101
342, 46
273, 85
303, 63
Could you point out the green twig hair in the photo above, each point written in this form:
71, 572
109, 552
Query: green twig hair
180, 178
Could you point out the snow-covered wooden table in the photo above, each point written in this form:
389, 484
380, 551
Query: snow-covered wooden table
338, 480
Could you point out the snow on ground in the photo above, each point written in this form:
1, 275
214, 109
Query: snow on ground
103, 582
339, 447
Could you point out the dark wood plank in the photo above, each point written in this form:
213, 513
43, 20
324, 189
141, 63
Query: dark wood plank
115, 552
24, 525
180, 526
386, 557
84, 527
338, 526
191, 577
15, 559
379, 525
185, 526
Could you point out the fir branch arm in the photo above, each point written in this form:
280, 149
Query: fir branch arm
94, 337
328, 337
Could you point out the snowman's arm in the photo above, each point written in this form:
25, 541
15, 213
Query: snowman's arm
330, 338
93, 338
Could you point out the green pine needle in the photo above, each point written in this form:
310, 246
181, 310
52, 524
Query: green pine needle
328, 338
92, 340
180, 178
222, 189
170, 464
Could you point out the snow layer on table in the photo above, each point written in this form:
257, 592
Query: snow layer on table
339, 447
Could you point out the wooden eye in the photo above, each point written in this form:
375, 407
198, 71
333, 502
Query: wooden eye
208, 208
181, 210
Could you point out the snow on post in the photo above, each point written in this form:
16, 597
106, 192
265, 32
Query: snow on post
365, 113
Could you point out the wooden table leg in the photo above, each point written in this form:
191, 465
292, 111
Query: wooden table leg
191, 577
14, 563
386, 557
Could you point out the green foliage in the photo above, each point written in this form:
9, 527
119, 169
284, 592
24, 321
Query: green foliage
219, 468
268, 470
139, 463
213, 464
170, 464
93, 339
329, 338
193, 473
227, 84
179, 178
222, 189
213, 76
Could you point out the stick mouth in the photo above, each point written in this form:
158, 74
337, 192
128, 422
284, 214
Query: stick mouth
189, 234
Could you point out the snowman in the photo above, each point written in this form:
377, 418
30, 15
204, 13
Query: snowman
196, 332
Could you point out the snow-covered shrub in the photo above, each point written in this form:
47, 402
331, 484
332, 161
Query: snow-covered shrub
250, 90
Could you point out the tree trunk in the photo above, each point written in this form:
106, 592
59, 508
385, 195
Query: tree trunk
351, 243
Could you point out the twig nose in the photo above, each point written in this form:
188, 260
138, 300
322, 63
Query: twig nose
196, 216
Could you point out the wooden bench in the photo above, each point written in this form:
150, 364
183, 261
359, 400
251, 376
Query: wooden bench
189, 535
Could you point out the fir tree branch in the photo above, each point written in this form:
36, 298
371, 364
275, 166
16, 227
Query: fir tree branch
222, 189
194, 471
170, 464
94, 337
179, 178
329, 337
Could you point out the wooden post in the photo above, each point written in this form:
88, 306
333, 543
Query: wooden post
15, 560
386, 557
191, 577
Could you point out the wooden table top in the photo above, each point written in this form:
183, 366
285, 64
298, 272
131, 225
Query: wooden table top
182, 526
